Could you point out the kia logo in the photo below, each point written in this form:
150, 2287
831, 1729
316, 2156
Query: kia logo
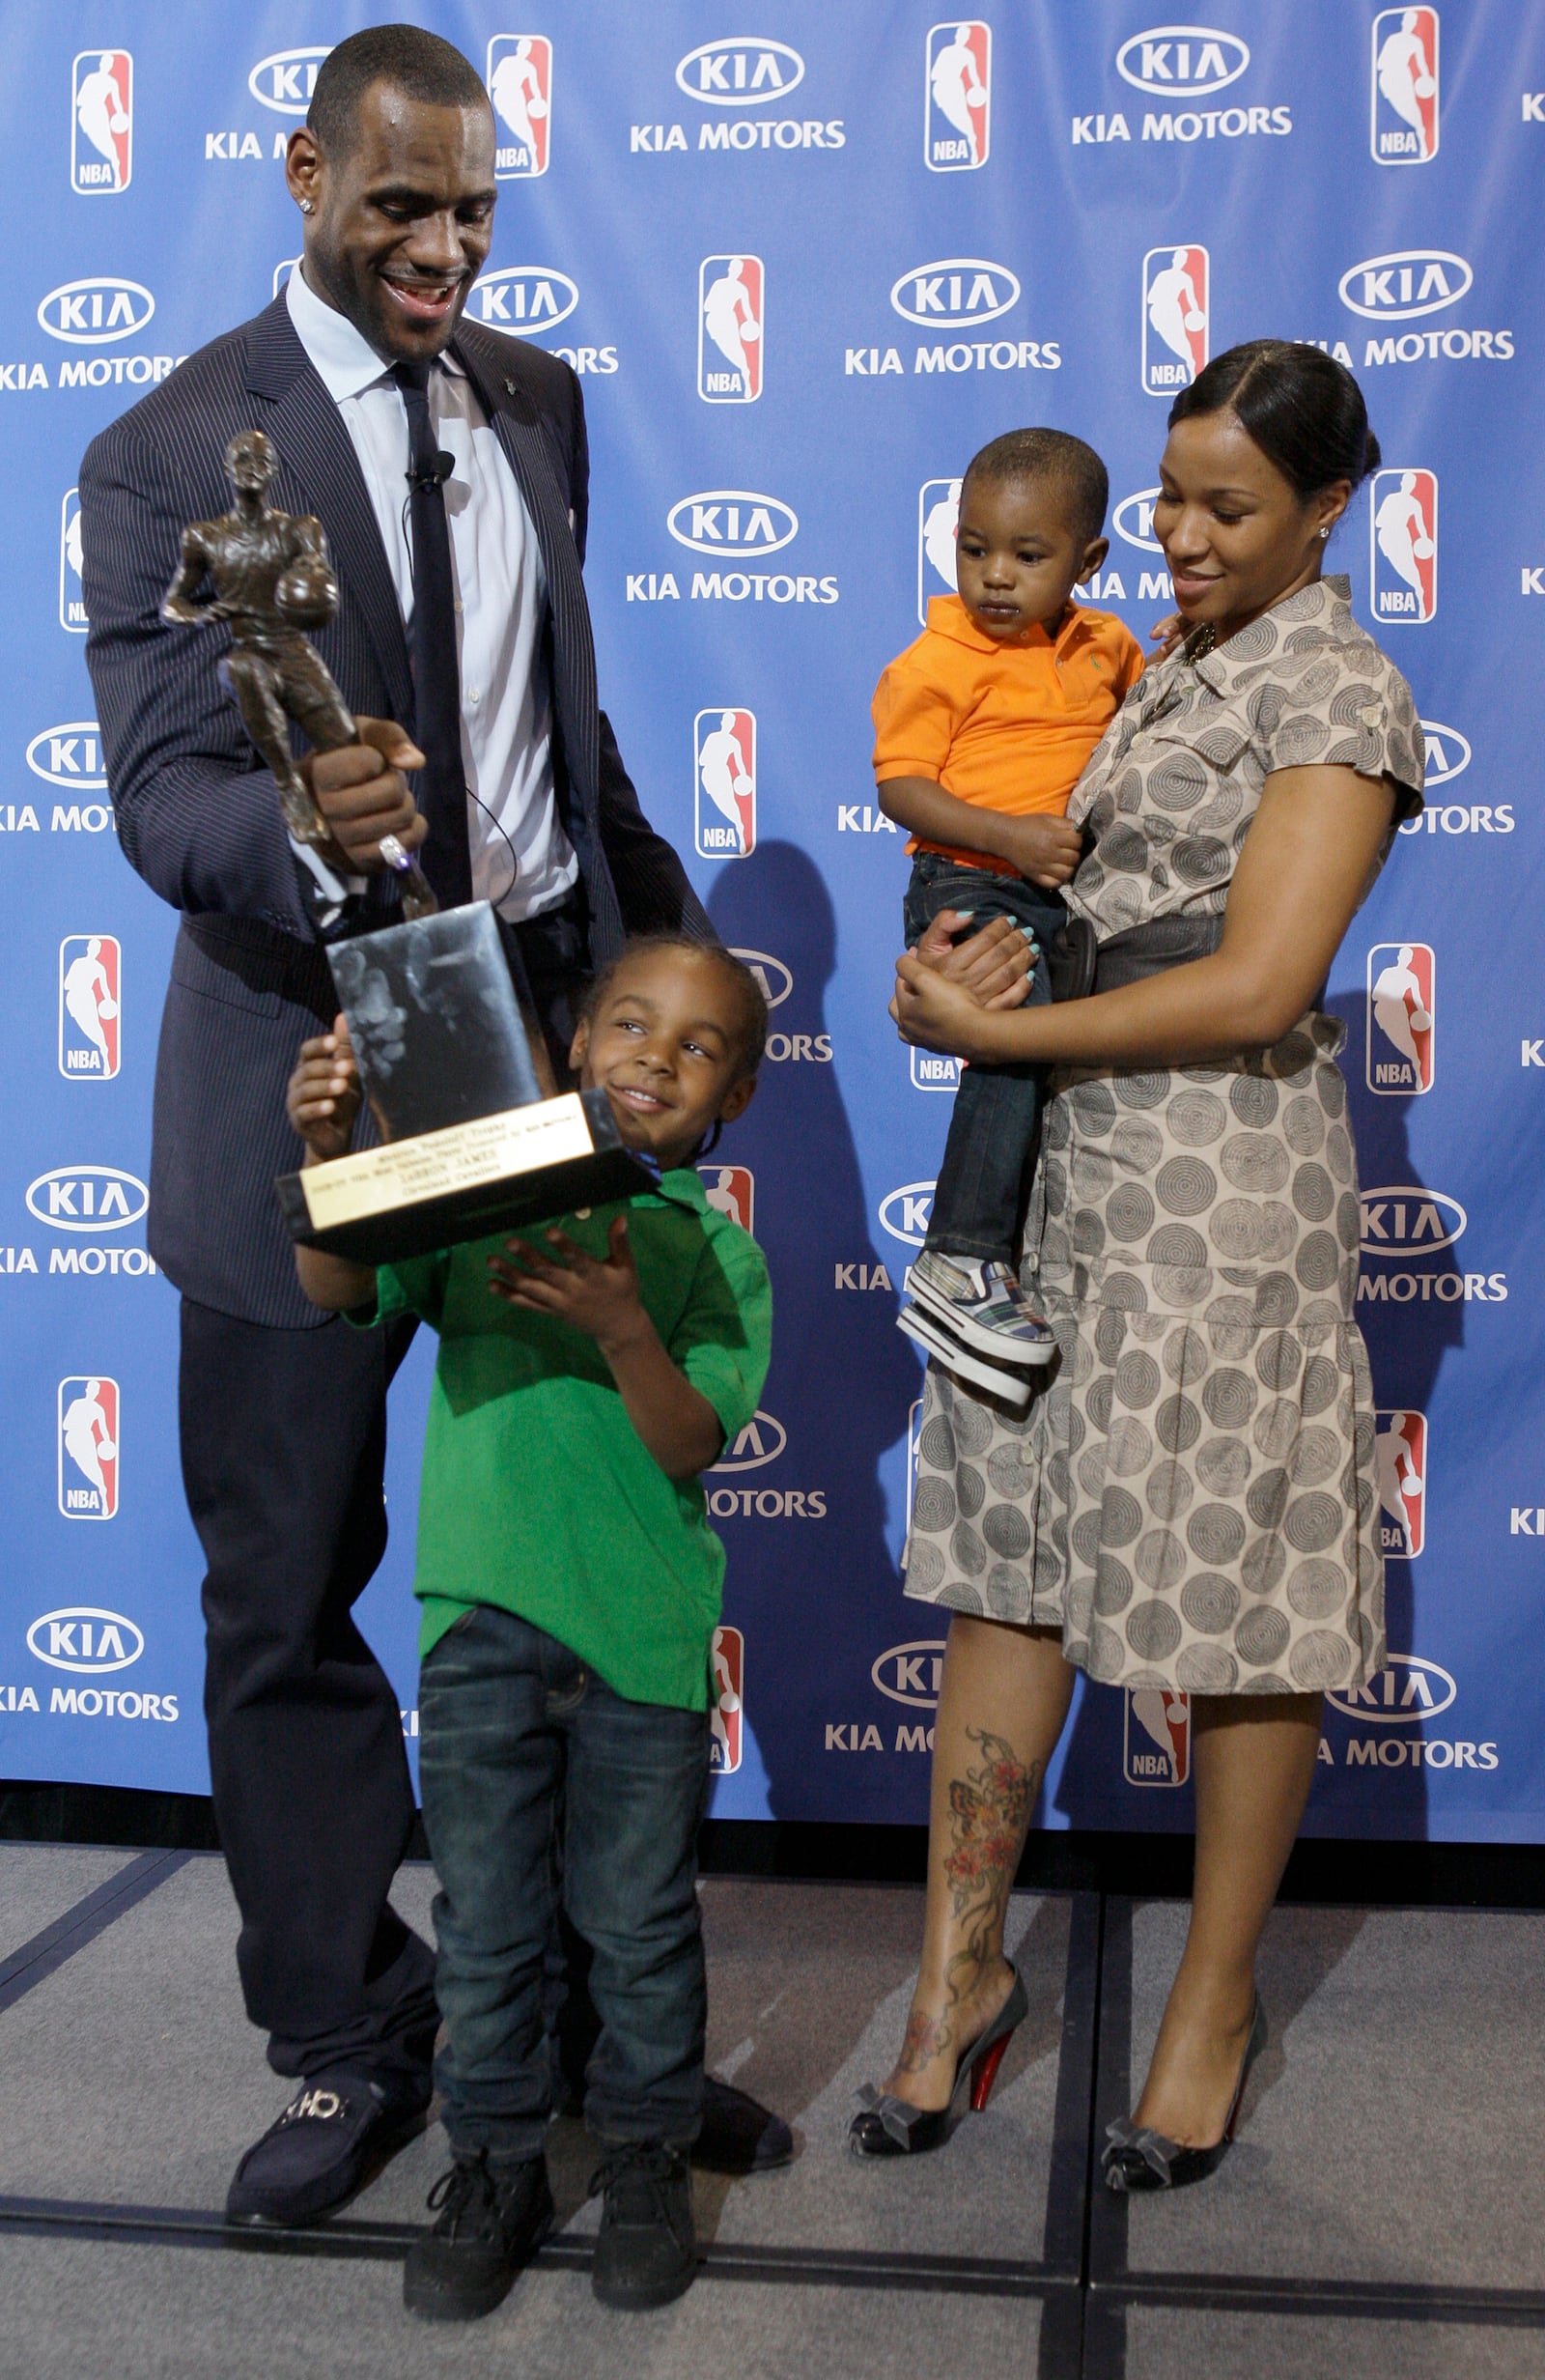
1392, 289
1403, 1693
69, 755
1132, 519
746, 73
731, 521
87, 1198
911, 1673
97, 311
1448, 753
1407, 1220
525, 298
1182, 61
286, 80
955, 293
761, 1441
84, 1638
770, 973
904, 1215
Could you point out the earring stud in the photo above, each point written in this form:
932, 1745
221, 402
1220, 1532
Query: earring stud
306, 206
1324, 532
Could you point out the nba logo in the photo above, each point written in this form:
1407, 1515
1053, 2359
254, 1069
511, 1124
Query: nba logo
72, 600
1156, 1748
88, 1448
1400, 1467
101, 123
729, 330
937, 513
724, 764
520, 88
1401, 1053
958, 97
931, 1072
1405, 87
1175, 312
1404, 556
727, 1660
730, 1190
90, 1007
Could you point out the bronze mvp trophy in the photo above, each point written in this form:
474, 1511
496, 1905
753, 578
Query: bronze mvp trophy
456, 1076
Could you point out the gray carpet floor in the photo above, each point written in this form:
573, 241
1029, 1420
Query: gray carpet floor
1388, 2138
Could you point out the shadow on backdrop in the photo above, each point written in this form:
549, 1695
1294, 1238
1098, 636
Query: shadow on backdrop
816, 1591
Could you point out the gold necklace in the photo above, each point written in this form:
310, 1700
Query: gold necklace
1200, 643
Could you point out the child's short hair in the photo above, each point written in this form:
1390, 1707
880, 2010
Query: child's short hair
751, 1030
1048, 454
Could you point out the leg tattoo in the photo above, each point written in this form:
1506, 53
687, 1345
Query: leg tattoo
989, 1809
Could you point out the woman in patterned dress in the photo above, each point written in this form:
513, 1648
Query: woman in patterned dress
1189, 1505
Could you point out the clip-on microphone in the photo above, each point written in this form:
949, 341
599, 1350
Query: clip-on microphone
433, 473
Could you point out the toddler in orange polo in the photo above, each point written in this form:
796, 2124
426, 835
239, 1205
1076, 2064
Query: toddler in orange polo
982, 729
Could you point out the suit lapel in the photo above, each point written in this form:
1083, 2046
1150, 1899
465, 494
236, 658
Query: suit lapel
319, 461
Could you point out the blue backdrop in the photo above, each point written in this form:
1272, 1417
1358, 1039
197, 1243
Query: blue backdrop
803, 275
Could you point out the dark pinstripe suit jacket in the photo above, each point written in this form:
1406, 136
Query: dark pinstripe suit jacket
200, 820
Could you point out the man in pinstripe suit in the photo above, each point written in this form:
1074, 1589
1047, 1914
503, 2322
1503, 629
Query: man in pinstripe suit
282, 1413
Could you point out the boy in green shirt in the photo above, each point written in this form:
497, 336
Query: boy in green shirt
571, 1586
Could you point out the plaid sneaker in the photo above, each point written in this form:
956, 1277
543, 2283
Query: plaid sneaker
982, 1304
1011, 1387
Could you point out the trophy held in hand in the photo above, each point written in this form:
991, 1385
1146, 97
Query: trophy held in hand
453, 1067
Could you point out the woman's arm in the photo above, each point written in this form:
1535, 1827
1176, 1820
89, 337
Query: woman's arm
1312, 846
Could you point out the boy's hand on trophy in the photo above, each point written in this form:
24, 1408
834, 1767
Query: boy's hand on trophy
322, 1099
599, 1297
363, 795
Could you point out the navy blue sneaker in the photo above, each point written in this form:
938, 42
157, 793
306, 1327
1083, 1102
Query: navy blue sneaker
332, 2139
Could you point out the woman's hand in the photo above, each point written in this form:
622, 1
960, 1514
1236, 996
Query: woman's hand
995, 966
937, 1014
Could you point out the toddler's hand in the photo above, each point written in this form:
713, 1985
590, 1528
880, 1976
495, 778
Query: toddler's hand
323, 1096
599, 1297
1167, 633
1044, 850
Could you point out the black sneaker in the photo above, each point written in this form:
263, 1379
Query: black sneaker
491, 2221
335, 2135
646, 2252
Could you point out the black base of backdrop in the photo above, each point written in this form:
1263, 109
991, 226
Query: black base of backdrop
1365, 1875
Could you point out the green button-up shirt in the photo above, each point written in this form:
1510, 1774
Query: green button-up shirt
538, 1495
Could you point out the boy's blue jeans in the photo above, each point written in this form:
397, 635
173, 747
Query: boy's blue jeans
983, 1184
516, 1736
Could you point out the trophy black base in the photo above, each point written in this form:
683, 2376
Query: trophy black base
494, 1173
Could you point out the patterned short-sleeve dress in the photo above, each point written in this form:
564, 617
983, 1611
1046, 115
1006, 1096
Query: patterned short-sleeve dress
1192, 1498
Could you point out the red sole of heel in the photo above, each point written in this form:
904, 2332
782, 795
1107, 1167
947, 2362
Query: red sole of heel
984, 2073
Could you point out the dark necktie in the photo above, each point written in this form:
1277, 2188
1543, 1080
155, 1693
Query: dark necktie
441, 789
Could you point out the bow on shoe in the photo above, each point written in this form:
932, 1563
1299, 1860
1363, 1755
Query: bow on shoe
1156, 2152
898, 2117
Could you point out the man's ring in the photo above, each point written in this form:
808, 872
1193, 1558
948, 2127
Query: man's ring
392, 852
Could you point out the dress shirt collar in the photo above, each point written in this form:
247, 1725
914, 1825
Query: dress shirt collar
346, 361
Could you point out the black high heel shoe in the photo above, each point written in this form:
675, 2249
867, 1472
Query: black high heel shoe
1139, 2158
890, 2127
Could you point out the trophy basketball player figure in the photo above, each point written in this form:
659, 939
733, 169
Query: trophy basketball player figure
273, 580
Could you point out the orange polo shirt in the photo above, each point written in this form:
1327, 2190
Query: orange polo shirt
1006, 727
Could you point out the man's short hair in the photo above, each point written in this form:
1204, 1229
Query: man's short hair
1048, 454
417, 63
